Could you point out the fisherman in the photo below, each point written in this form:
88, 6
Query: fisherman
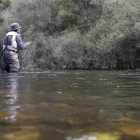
12, 44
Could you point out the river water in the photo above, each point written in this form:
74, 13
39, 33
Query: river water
70, 105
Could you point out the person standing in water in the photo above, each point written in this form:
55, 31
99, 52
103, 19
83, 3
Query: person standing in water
11, 46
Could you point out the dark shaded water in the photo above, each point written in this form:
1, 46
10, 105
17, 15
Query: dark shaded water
70, 105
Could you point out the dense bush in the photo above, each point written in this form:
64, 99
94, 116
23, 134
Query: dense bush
75, 34
4, 4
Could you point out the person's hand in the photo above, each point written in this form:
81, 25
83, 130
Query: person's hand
29, 43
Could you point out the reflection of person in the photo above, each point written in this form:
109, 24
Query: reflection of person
12, 44
10, 83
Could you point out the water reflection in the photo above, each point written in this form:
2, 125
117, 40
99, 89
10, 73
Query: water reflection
13, 124
76, 105
11, 85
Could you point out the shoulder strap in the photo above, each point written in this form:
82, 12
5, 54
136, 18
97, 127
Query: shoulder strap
6, 42
1, 56
6, 48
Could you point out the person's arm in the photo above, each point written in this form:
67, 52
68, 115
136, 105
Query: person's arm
20, 44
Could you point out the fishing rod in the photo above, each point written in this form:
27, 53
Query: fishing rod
70, 29
64, 31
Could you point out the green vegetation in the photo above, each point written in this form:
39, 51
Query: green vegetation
4, 4
75, 34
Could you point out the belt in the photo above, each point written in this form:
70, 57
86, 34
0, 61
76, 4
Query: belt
13, 51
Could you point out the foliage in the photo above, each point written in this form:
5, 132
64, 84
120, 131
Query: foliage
75, 34
4, 4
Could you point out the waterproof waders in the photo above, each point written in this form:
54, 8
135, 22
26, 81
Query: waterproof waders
10, 56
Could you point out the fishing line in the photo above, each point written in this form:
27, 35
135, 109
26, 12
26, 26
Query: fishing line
65, 31
70, 29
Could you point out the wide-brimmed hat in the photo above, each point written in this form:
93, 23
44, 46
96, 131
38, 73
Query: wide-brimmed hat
15, 26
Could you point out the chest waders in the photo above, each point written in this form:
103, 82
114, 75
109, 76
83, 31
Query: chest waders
9, 57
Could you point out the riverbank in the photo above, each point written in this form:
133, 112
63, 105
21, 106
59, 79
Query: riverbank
83, 65
67, 35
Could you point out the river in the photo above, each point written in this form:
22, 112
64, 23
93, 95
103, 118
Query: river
70, 105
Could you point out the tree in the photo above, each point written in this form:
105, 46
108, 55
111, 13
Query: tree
4, 4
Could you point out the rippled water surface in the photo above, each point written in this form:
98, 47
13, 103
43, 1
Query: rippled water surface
70, 105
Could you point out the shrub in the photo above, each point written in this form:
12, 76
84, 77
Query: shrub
78, 34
